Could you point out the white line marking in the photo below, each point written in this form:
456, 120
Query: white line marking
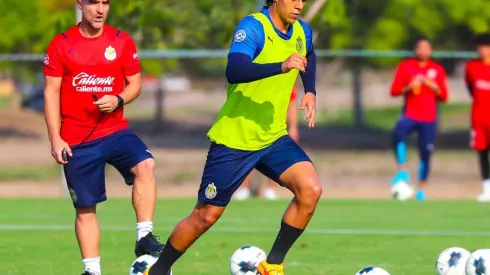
376, 232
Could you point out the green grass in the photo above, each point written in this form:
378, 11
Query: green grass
453, 117
29, 172
415, 233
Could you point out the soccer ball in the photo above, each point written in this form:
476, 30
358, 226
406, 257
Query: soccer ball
401, 191
246, 259
478, 262
371, 270
140, 265
452, 261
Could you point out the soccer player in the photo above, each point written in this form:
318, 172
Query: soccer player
269, 49
292, 122
91, 71
422, 83
477, 79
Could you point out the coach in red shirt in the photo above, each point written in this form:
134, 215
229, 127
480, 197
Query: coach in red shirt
91, 71
422, 83
477, 77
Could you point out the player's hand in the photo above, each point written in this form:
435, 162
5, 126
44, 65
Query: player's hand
430, 83
57, 147
107, 103
294, 133
295, 61
414, 85
309, 102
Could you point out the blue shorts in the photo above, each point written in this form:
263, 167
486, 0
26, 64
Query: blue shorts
85, 170
426, 131
227, 168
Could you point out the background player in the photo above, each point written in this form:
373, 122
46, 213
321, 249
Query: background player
422, 83
94, 59
268, 51
477, 77
292, 121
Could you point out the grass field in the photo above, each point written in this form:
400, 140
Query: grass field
344, 236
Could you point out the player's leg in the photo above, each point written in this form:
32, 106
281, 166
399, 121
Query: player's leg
224, 171
479, 141
84, 174
426, 138
245, 190
400, 133
286, 163
130, 156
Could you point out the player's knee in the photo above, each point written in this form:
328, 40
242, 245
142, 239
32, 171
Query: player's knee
206, 218
86, 214
310, 192
145, 169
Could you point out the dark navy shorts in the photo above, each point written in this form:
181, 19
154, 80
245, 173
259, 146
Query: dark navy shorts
85, 170
227, 168
426, 131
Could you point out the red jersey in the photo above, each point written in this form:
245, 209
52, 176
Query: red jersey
294, 94
422, 105
477, 77
90, 66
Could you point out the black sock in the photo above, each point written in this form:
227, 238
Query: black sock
284, 240
484, 164
167, 258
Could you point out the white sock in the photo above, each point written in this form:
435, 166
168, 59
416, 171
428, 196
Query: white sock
486, 186
92, 265
143, 228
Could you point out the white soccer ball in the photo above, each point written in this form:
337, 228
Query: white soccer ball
478, 263
140, 265
402, 191
372, 270
246, 259
452, 261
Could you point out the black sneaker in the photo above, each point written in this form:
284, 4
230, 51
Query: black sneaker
149, 244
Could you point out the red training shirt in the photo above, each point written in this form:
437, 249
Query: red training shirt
422, 106
90, 66
477, 77
294, 94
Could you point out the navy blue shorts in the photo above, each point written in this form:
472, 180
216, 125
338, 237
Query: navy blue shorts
227, 168
426, 132
85, 170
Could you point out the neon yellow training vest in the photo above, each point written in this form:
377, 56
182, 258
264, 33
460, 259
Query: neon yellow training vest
254, 114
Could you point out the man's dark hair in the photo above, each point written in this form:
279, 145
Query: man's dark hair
483, 39
418, 39
269, 2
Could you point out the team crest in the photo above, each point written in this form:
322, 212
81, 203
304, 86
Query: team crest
299, 45
211, 191
110, 53
431, 73
73, 195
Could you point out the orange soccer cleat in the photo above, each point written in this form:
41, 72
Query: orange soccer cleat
265, 268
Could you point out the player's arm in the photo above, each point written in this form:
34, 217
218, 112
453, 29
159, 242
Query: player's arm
132, 89
399, 84
308, 76
467, 79
132, 72
248, 41
441, 88
52, 86
53, 74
